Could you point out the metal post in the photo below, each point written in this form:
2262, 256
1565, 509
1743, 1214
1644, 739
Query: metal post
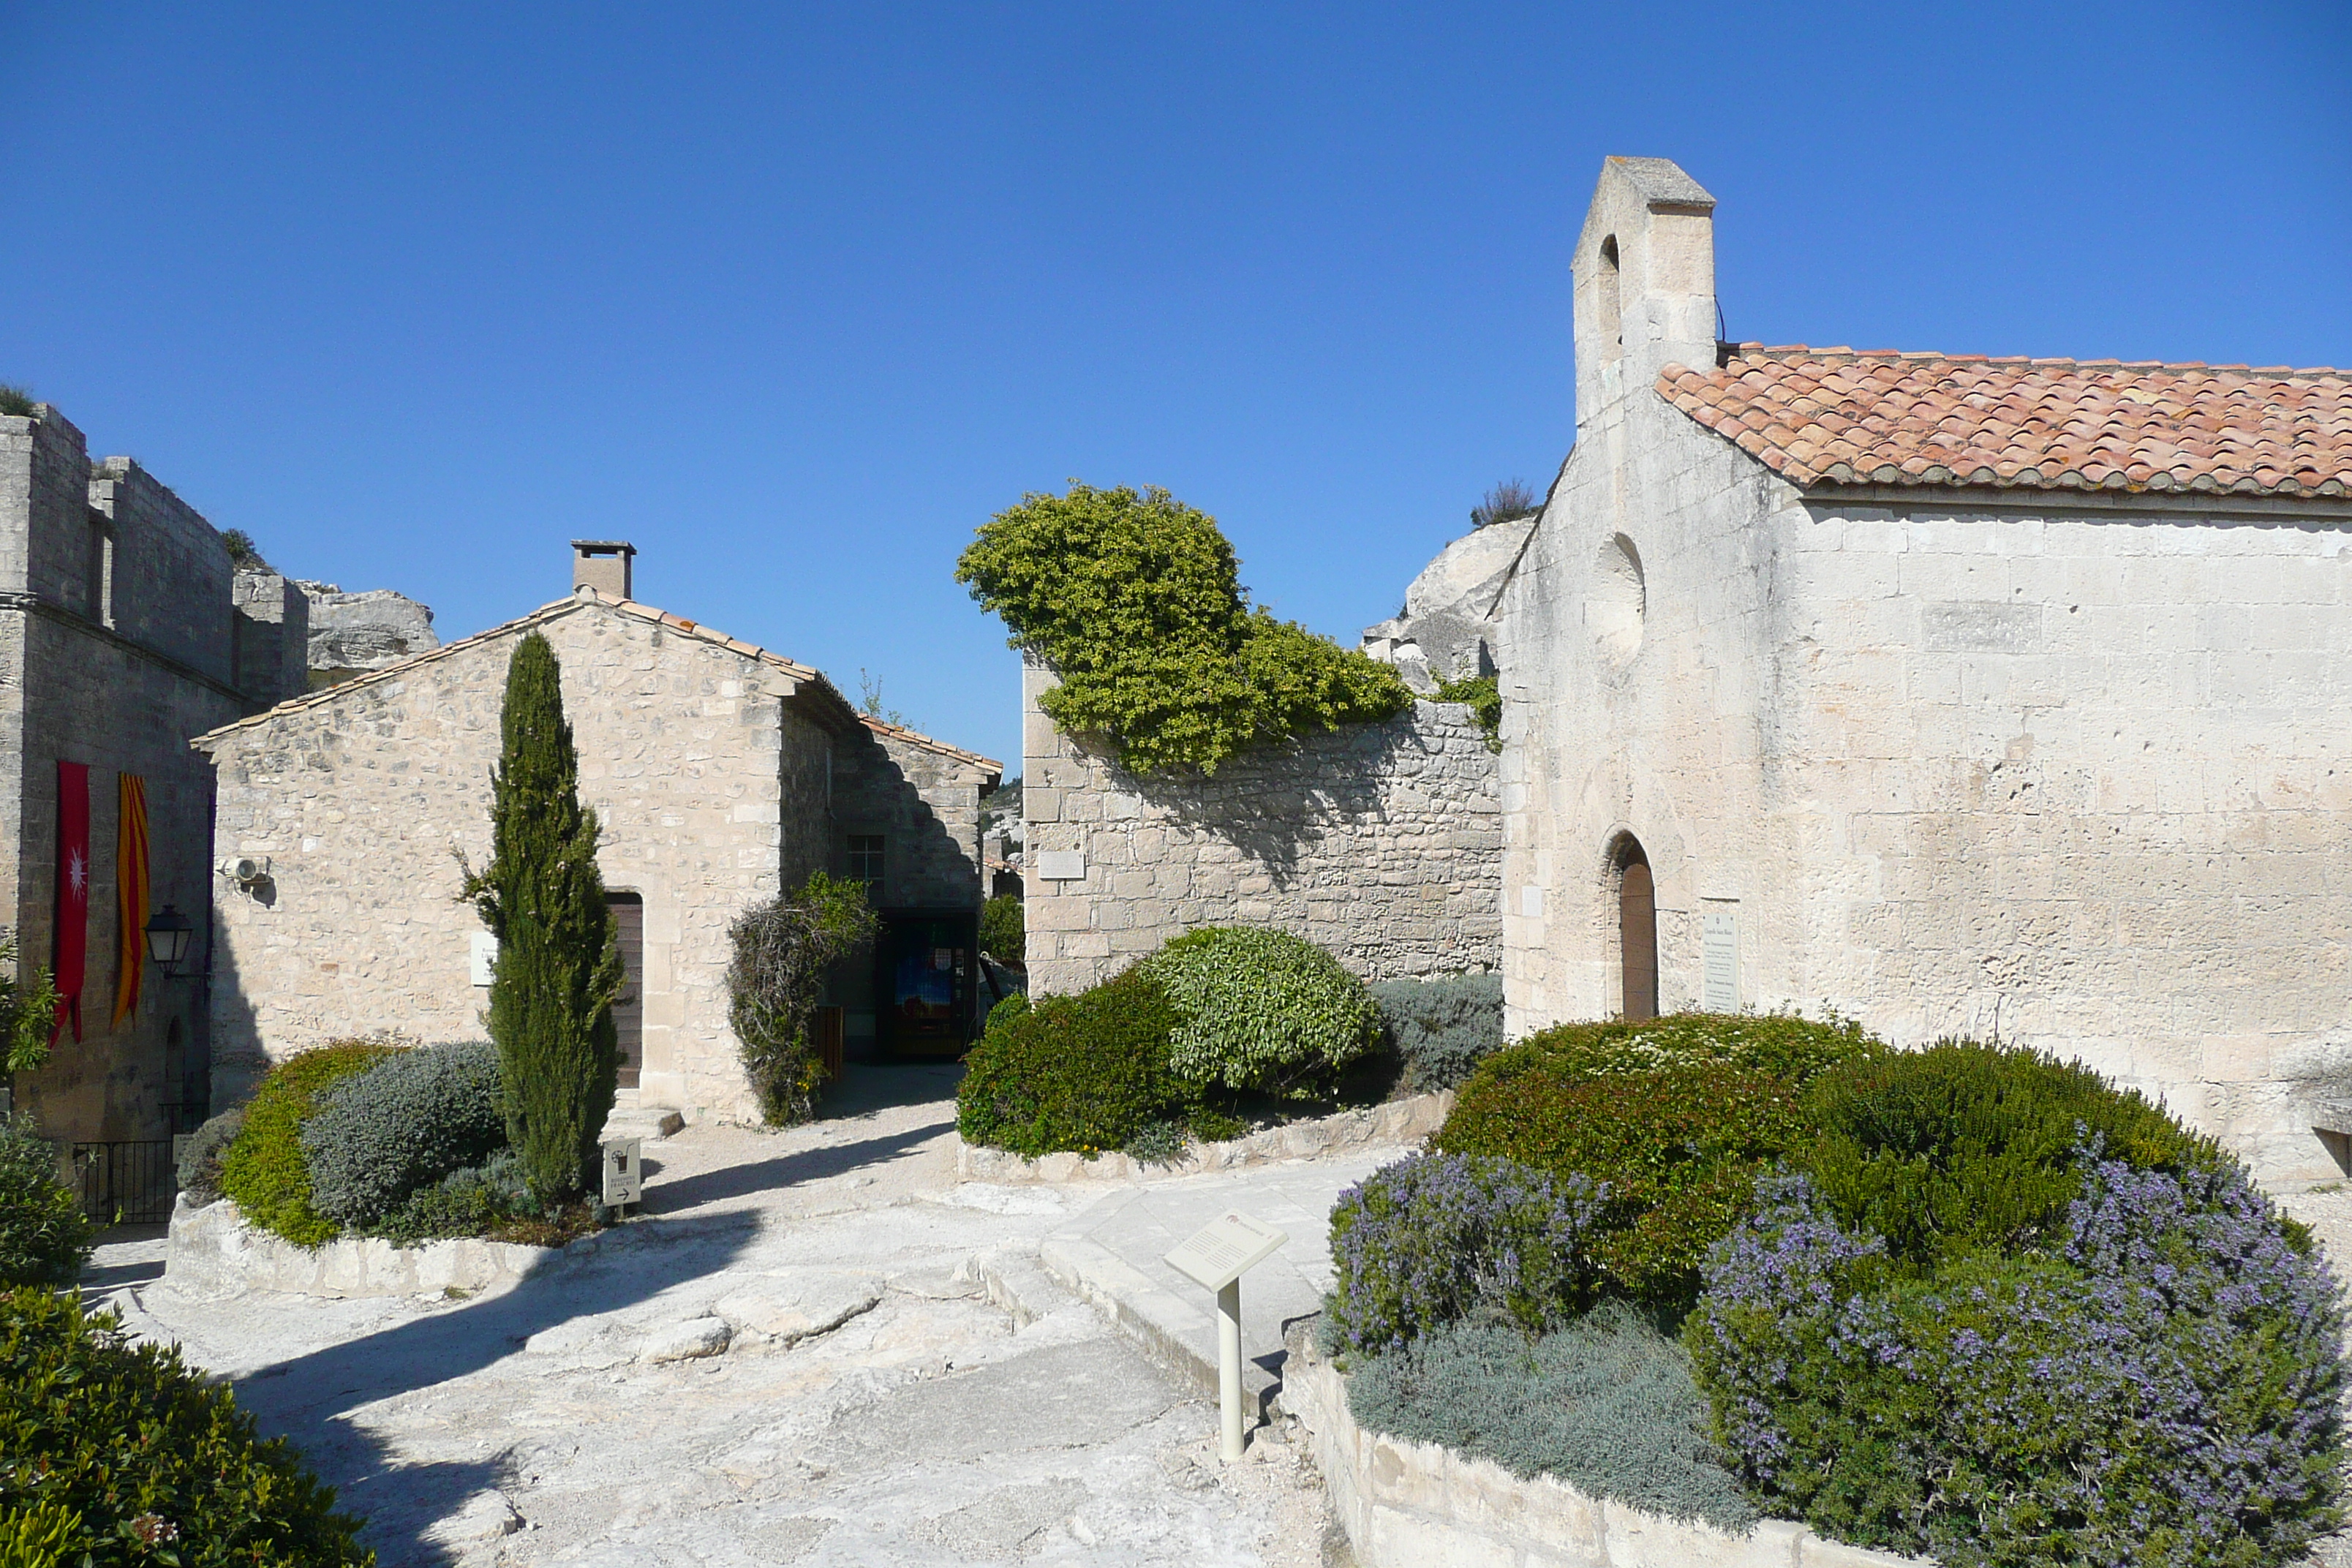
1229, 1369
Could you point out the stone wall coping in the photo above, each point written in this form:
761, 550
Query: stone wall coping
1407, 1120
211, 1249
1421, 1505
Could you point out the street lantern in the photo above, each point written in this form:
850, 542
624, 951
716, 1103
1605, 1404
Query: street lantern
167, 941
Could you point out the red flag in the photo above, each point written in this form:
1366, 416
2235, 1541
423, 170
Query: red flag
72, 929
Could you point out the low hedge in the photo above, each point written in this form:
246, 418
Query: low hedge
401, 1125
264, 1170
1086, 1073
1439, 1030
124, 1455
199, 1165
1676, 1117
1261, 1010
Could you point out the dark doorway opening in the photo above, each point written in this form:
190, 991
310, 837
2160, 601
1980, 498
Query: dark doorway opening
629, 1006
926, 980
1637, 931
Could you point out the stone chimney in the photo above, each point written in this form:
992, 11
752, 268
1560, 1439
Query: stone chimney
602, 564
1644, 273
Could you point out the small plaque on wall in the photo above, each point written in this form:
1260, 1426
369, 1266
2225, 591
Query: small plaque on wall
1061, 865
481, 957
1719, 961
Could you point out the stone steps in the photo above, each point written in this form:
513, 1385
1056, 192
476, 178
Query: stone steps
631, 1119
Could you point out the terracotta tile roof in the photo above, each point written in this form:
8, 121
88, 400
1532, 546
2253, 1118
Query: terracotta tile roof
585, 598
1836, 417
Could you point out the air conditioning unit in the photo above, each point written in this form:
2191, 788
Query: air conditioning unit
246, 870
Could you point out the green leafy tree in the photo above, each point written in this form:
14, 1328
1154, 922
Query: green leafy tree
783, 949
1135, 600
1000, 934
559, 964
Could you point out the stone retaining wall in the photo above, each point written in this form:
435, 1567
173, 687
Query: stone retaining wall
1397, 1121
1420, 1505
1381, 844
211, 1249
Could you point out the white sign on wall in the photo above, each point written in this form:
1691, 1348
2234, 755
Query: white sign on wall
1719, 961
482, 956
1061, 866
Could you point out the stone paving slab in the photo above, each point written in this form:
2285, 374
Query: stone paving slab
1113, 1254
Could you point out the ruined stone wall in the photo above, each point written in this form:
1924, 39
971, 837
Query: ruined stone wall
270, 637
172, 573
363, 794
1379, 843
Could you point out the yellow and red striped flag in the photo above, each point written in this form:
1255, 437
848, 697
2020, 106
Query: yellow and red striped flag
131, 894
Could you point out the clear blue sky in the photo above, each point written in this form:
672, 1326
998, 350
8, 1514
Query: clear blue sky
795, 298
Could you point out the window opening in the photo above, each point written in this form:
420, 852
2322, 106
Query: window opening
865, 864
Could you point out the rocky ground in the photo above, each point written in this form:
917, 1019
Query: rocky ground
821, 1350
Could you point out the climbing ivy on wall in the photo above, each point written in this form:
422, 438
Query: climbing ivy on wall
1134, 599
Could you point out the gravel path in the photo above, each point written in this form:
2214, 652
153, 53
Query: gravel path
798, 1359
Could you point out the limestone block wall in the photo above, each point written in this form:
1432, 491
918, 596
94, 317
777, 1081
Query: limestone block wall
364, 795
1381, 843
171, 577
269, 638
2074, 772
926, 806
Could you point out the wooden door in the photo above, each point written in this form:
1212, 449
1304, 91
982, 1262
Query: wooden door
1637, 926
629, 1007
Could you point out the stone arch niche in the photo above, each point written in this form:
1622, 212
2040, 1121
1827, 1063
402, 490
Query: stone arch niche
1615, 608
1635, 891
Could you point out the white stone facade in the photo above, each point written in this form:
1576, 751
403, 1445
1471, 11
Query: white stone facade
1379, 843
2070, 769
716, 771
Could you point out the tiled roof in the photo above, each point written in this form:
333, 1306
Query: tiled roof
582, 599
1836, 417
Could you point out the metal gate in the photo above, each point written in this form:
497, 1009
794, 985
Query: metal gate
130, 1182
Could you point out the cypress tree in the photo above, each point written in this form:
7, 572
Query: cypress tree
559, 964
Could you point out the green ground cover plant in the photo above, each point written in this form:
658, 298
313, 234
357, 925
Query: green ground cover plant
1438, 1030
1261, 1010
45, 1239
129, 1457
559, 965
1675, 1116
1135, 600
264, 1172
782, 951
1606, 1402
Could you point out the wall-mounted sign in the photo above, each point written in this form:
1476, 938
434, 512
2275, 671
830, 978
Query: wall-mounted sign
1062, 865
481, 956
1719, 961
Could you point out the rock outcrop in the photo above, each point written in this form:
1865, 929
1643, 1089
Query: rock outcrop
353, 633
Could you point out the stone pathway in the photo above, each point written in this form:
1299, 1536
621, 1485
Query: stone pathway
821, 1350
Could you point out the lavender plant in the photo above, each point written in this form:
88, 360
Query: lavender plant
1437, 1238
2157, 1385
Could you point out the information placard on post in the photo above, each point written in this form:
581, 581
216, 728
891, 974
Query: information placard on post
1226, 1249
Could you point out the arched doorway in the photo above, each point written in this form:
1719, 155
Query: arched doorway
1637, 931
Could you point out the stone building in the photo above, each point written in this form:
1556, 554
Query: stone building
1994, 695
124, 631
720, 772
1381, 842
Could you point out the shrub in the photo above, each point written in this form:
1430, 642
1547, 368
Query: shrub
782, 951
44, 1234
1436, 1238
1483, 694
1965, 1147
1506, 502
1135, 600
1606, 1403
199, 1166
559, 965
1001, 935
2158, 1384
16, 400
143, 1448
1439, 1029
475, 1201
1676, 1116
1261, 1009
1085, 1073
403, 1124
264, 1170
28, 1008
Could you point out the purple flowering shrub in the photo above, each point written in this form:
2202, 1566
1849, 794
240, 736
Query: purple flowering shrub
1438, 1238
2156, 1384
